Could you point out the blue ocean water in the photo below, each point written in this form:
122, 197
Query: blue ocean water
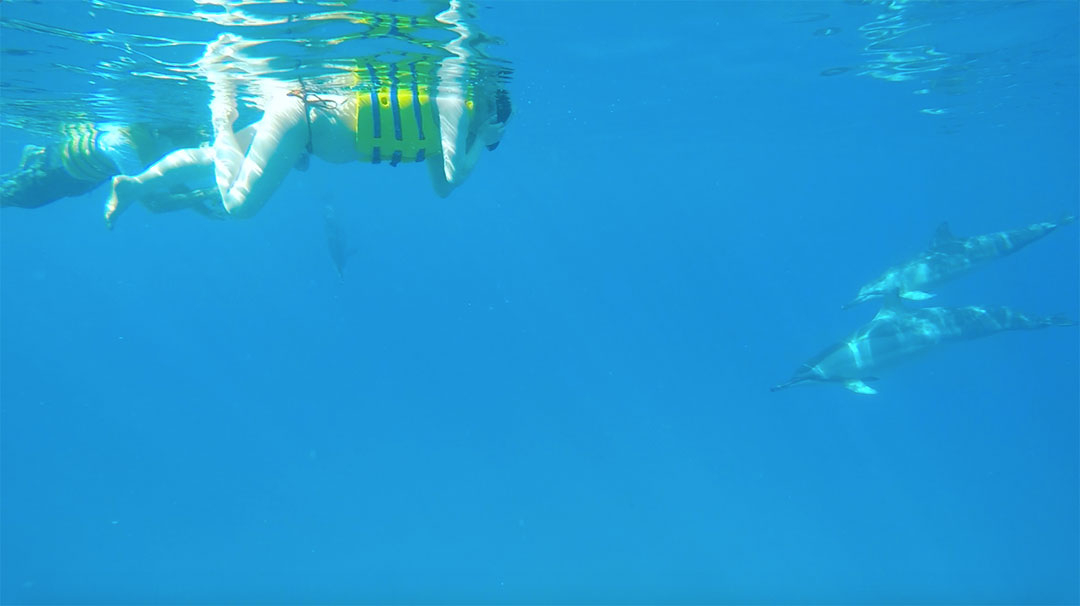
553, 386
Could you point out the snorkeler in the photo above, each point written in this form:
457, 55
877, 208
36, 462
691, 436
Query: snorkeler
402, 116
86, 156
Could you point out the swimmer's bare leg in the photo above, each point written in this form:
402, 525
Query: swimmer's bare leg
205, 201
246, 175
228, 155
177, 168
221, 63
278, 142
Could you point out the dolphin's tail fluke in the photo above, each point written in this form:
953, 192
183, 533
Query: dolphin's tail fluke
1060, 320
1062, 221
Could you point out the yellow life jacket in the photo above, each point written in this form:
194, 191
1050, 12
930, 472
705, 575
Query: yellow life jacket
81, 157
397, 119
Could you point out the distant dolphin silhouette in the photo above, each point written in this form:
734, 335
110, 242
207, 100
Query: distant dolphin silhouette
897, 334
336, 240
948, 257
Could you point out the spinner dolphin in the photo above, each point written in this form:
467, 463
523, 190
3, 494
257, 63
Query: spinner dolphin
897, 334
950, 256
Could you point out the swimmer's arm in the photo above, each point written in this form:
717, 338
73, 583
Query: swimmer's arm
438, 176
453, 132
447, 175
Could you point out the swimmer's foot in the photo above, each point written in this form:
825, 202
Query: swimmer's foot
120, 199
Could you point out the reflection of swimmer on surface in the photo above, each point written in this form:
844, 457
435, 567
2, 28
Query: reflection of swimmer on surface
440, 118
88, 155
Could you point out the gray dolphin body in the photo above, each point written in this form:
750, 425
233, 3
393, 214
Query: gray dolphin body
948, 257
897, 334
336, 240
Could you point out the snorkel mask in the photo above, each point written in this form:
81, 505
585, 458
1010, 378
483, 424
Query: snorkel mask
503, 110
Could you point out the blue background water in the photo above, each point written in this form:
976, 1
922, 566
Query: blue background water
553, 386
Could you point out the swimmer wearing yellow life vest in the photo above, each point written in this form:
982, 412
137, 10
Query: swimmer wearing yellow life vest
399, 116
86, 155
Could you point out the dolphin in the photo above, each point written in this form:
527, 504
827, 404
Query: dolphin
897, 334
950, 256
336, 240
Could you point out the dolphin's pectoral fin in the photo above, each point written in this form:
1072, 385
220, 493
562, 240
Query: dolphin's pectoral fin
891, 305
917, 295
859, 387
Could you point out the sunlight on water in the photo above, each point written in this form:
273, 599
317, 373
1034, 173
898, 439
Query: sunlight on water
916, 43
150, 70
893, 55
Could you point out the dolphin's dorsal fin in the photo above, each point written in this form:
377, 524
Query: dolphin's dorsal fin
943, 237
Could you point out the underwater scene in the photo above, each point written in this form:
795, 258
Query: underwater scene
539, 302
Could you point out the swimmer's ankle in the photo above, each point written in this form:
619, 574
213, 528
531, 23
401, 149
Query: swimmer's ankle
120, 199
